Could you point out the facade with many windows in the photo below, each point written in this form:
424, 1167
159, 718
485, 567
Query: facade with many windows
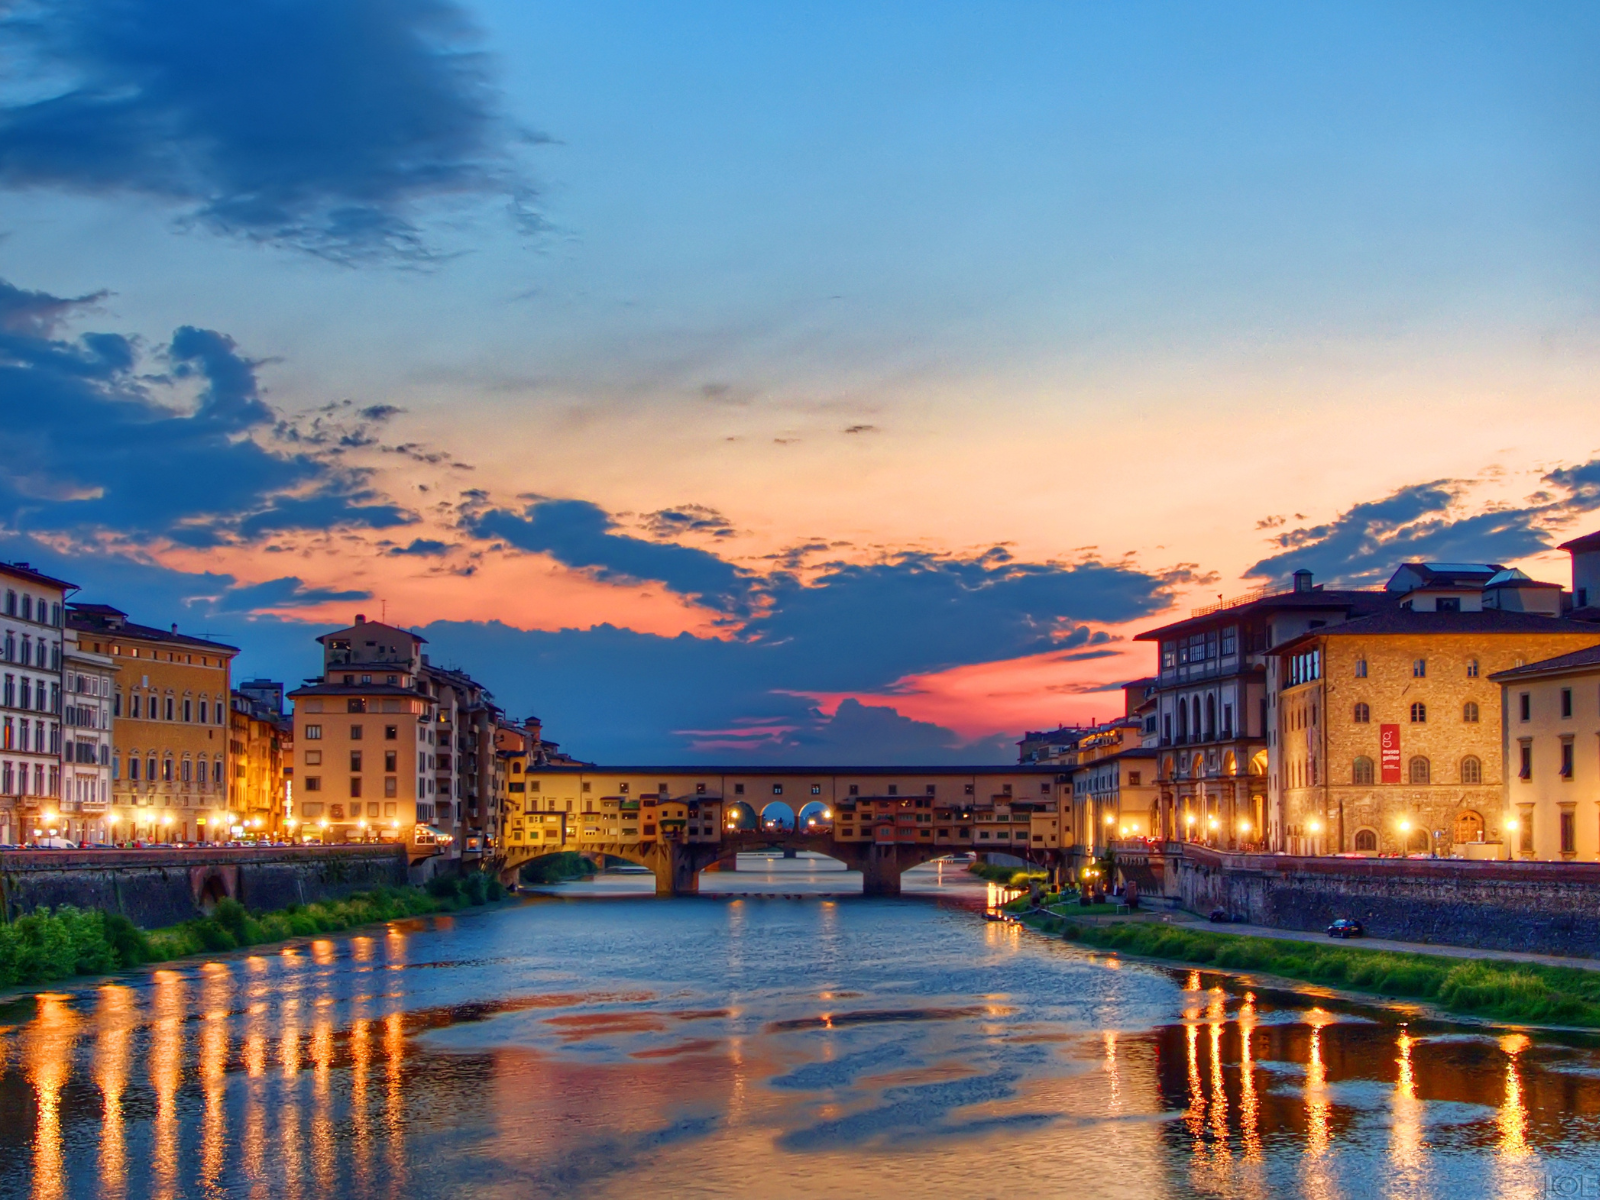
1551, 745
1387, 737
88, 686
31, 615
169, 760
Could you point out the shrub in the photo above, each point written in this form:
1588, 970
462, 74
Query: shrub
475, 886
128, 942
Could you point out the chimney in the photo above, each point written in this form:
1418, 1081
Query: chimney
361, 618
174, 627
1302, 580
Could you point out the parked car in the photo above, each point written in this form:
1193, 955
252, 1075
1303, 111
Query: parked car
1220, 916
1346, 927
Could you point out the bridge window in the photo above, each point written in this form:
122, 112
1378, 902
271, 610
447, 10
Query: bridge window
816, 789
967, 790
777, 789
855, 789
699, 789
622, 788
738, 789
894, 789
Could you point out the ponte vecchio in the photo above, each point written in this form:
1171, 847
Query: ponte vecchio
679, 820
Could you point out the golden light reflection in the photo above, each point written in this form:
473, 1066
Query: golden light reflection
115, 1017
47, 1059
253, 1146
1405, 1138
1113, 1072
1195, 1116
360, 1122
1219, 1095
1513, 1115
394, 1099
1318, 1109
216, 992
289, 1054
170, 1002
1249, 1102
322, 1143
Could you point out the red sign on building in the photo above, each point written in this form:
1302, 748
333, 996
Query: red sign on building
1389, 752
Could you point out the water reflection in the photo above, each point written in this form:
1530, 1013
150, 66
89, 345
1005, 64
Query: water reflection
823, 1047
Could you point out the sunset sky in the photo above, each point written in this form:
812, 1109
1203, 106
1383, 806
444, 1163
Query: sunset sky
816, 382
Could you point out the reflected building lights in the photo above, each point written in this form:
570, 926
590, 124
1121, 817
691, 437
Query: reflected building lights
165, 1073
1249, 1102
1512, 1118
216, 993
48, 1060
115, 1016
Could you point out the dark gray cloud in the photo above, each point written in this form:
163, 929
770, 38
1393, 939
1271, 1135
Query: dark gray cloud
422, 548
687, 518
288, 592
97, 442
1364, 545
581, 535
322, 125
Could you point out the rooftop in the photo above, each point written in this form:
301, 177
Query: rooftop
1578, 545
103, 619
1314, 598
1403, 620
707, 771
1576, 661
26, 571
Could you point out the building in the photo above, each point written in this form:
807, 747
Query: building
260, 743
88, 684
1387, 739
1010, 810
1585, 552
366, 740
1212, 704
30, 702
1550, 722
169, 759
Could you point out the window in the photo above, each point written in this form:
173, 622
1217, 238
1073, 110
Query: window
188, 770
355, 760
1566, 758
313, 733
1568, 833
738, 789
1524, 707
777, 789
894, 789
1471, 771
1230, 640
1419, 668
313, 758
391, 733
1525, 761
355, 786
216, 771
356, 704
391, 786
1133, 778
1566, 702
1420, 770
171, 707
966, 790
1361, 773
133, 769
1366, 841
1469, 712
1419, 713
188, 710
1363, 714
166, 770
390, 758
1472, 668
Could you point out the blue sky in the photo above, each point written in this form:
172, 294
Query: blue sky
809, 378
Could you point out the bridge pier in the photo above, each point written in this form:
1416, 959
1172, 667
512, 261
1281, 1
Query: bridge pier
880, 871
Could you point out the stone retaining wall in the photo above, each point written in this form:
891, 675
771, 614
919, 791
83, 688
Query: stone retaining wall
162, 887
1551, 908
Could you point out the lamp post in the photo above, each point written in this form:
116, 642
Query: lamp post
1512, 825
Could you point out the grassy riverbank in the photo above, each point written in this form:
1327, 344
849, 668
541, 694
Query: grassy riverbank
1489, 988
48, 946
1005, 876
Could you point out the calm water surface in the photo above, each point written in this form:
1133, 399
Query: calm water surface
762, 1046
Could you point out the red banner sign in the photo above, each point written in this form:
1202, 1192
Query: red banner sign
1389, 752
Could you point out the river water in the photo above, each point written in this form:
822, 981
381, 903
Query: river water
762, 1045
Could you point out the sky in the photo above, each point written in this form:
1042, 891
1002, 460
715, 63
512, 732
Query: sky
816, 383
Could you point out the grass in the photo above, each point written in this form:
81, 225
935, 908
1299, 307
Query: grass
46, 946
558, 868
1497, 990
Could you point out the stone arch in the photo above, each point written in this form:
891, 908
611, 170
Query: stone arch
1211, 716
1197, 767
737, 815
1168, 767
1258, 763
1418, 842
814, 816
777, 815
1230, 763
1366, 841
1469, 827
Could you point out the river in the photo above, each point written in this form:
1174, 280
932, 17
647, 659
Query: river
762, 1045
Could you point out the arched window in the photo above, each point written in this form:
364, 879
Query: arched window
188, 771
1469, 712
1420, 770
1363, 714
166, 770
1361, 772
133, 768
1419, 713
1471, 771
1211, 717
1366, 841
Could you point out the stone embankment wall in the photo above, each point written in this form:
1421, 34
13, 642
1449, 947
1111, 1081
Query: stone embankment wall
1550, 908
162, 887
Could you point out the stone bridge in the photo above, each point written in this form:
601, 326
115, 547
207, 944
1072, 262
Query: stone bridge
677, 862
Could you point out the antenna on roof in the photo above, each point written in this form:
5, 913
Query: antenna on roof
383, 611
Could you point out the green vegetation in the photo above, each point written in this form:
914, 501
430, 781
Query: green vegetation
558, 868
45, 946
1006, 876
1499, 990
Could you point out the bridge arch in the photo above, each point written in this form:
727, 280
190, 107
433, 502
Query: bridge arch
814, 817
777, 816
738, 817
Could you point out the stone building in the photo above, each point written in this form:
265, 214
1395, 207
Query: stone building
30, 702
88, 684
1211, 703
1387, 737
1551, 746
169, 759
260, 742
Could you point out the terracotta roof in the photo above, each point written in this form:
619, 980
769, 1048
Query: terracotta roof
358, 689
814, 770
1403, 620
1553, 666
112, 622
1351, 600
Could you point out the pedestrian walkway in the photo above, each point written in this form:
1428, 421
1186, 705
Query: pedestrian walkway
1372, 943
